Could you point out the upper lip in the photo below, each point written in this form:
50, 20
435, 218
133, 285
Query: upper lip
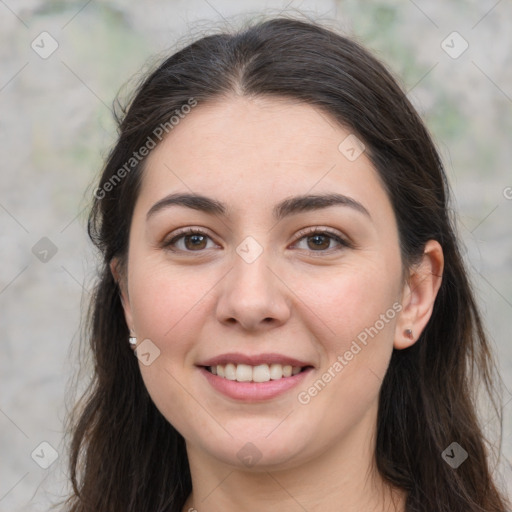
253, 360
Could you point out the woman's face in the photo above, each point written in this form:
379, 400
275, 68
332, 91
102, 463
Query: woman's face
275, 278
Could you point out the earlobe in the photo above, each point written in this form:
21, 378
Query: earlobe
419, 295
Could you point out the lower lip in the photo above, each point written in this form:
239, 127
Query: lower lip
253, 391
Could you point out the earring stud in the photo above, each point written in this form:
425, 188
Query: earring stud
132, 340
408, 333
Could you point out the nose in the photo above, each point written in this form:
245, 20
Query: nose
253, 296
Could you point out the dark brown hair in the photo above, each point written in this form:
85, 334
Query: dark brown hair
124, 455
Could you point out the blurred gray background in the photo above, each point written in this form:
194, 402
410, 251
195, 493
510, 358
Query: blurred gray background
62, 62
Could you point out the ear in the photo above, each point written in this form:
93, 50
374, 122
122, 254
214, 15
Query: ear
419, 294
122, 283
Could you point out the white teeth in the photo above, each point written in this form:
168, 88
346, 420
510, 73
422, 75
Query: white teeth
259, 373
243, 373
276, 371
288, 370
230, 371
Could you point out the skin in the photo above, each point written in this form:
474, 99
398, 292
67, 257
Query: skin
294, 299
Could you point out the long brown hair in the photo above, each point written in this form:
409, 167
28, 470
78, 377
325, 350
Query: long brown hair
124, 455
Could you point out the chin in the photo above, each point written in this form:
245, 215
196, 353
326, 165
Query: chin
260, 453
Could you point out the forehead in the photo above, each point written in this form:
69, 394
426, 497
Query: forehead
257, 150
240, 128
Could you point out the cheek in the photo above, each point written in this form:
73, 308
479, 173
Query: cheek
164, 300
166, 307
351, 300
361, 309
356, 311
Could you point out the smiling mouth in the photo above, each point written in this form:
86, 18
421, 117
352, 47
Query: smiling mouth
258, 373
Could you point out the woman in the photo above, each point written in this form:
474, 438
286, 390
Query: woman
279, 256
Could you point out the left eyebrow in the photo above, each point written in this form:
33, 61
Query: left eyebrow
304, 203
285, 208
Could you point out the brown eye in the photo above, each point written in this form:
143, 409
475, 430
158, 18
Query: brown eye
191, 240
317, 242
195, 242
322, 241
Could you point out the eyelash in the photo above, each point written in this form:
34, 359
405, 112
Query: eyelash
309, 232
